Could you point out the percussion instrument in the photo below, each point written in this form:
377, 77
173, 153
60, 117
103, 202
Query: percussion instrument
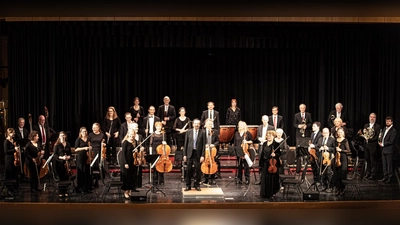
226, 133
253, 131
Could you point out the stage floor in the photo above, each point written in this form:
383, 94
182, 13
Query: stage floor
231, 192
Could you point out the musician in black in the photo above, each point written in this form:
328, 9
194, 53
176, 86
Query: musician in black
33, 152
137, 113
62, 153
261, 138
193, 154
181, 125
212, 140
387, 143
338, 113
371, 146
138, 168
126, 163
110, 127
149, 125
9, 150
340, 171
242, 137
233, 115
326, 144
210, 113
157, 139
270, 179
302, 122
97, 141
315, 136
82, 163
167, 114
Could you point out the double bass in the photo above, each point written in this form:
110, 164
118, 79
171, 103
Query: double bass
209, 166
164, 164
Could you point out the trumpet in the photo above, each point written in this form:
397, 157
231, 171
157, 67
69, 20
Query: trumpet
303, 127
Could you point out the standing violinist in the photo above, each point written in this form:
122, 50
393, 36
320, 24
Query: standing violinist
315, 136
139, 167
269, 159
326, 144
261, 135
242, 138
62, 153
126, 164
342, 148
157, 139
11, 151
82, 147
212, 140
96, 138
193, 154
33, 150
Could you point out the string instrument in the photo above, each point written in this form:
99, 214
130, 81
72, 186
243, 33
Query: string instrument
138, 156
68, 170
30, 122
272, 164
164, 164
39, 161
209, 166
337, 160
313, 153
326, 158
17, 156
245, 148
89, 155
103, 149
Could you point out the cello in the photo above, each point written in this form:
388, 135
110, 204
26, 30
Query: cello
164, 164
209, 166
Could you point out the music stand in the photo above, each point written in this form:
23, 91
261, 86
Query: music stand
238, 152
152, 160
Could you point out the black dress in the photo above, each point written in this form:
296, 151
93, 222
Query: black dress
269, 181
180, 137
31, 152
95, 142
140, 120
82, 168
127, 174
340, 173
233, 117
238, 140
61, 150
111, 126
10, 169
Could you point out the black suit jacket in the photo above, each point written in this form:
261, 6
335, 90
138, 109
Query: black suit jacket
204, 116
259, 132
314, 140
214, 138
171, 114
331, 144
279, 123
18, 137
189, 142
146, 124
332, 116
47, 132
297, 121
377, 129
389, 141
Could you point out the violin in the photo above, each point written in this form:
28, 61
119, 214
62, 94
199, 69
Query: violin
313, 153
272, 164
89, 155
68, 170
164, 164
138, 157
103, 149
337, 160
326, 158
17, 157
209, 166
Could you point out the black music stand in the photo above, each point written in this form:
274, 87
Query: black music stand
238, 152
152, 160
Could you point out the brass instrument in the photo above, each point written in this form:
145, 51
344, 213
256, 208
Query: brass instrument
303, 127
380, 137
333, 117
367, 133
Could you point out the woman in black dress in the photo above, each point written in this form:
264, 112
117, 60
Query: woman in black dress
269, 181
156, 140
137, 112
242, 136
33, 154
181, 125
97, 140
62, 154
110, 127
82, 147
342, 148
9, 149
126, 164
233, 114
138, 168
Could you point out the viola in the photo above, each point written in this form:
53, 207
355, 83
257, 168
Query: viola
17, 157
89, 155
272, 164
138, 157
337, 160
313, 153
68, 170
326, 158
103, 149
164, 164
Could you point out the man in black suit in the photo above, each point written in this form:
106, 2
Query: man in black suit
193, 153
302, 122
212, 140
338, 113
43, 130
149, 125
21, 133
210, 113
371, 147
388, 145
326, 144
261, 137
275, 119
315, 136
167, 114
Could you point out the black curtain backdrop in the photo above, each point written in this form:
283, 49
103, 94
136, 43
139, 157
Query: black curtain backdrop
78, 69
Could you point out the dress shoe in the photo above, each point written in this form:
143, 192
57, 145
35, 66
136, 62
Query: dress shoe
383, 180
198, 189
258, 182
188, 188
238, 181
368, 177
388, 181
205, 182
247, 182
213, 182
162, 183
